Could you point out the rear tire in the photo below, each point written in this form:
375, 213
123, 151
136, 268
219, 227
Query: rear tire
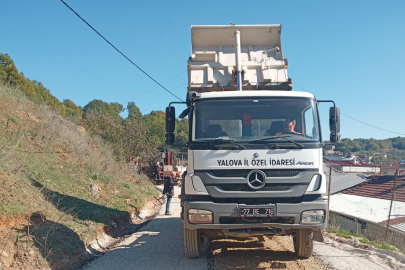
304, 243
195, 244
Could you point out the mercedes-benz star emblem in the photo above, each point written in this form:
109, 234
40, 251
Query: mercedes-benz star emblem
256, 155
256, 179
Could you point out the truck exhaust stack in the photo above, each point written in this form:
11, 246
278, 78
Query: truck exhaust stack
238, 60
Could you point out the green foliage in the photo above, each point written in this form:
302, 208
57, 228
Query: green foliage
99, 107
35, 90
379, 244
71, 109
155, 120
134, 112
137, 135
129, 137
181, 133
395, 148
376, 243
13, 119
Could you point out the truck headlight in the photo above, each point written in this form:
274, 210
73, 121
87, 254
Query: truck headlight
312, 217
198, 216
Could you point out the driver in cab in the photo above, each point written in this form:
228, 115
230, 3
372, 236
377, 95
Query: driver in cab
289, 127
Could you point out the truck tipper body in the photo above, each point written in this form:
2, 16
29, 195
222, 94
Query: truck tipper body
255, 148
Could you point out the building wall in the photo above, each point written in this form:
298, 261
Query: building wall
388, 171
358, 169
371, 230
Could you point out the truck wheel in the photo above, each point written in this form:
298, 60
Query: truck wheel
195, 244
304, 243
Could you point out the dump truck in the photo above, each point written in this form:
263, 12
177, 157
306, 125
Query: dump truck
255, 165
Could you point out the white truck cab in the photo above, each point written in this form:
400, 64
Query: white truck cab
255, 146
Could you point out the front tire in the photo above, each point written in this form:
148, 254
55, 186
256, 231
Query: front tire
195, 244
304, 243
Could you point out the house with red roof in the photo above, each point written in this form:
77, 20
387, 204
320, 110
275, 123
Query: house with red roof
352, 165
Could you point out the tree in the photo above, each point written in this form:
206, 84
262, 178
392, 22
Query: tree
155, 121
100, 107
71, 109
181, 132
137, 142
379, 160
133, 111
373, 146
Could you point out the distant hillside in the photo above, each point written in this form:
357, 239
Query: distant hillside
102, 118
394, 147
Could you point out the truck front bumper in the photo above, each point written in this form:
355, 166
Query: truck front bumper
223, 211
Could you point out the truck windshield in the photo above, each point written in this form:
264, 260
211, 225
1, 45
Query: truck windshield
252, 119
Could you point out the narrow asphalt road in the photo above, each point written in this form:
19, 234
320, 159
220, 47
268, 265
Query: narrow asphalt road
159, 245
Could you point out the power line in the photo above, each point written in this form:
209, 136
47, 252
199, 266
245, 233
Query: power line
155, 96
173, 26
144, 72
144, 14
185, 14
158, 86
364, 123
372, 125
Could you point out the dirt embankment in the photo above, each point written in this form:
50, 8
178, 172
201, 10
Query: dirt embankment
61, 189
21, 247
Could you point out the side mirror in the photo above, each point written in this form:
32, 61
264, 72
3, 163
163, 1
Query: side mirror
169, 138
184, 113
334, 119
335, 137
334, 124
170, 119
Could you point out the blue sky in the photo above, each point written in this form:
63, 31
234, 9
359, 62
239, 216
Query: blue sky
348, 51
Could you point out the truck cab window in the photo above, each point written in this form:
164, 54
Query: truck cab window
252, 119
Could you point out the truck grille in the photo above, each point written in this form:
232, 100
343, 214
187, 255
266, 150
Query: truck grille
245, 187
244, 173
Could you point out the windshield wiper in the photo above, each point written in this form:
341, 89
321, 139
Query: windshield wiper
278, 137
223, 141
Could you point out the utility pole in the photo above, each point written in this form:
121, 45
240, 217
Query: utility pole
330, 184
392, 200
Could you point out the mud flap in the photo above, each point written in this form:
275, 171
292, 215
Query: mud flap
318, 235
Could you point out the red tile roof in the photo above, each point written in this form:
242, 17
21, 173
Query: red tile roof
394, 221
380, 187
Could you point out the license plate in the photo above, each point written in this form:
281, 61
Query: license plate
257, 212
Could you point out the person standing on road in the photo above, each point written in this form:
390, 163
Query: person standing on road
168, 190
157, 170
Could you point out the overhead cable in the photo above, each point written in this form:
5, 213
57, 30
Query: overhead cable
155, 95
185, 14
157, 32
174, 28
372, 125
158, 86
144, 72
364, 123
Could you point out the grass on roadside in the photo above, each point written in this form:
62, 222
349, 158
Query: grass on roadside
375, 243
47, 169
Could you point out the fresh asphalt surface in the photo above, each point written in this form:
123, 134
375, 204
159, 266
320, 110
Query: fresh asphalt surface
159, 245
